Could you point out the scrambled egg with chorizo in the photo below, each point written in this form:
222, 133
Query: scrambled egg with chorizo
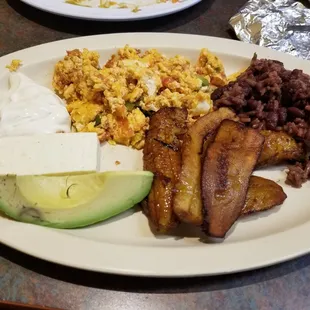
116, 100
14, 65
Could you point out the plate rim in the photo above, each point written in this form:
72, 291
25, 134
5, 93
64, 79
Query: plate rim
23, 237
145, 13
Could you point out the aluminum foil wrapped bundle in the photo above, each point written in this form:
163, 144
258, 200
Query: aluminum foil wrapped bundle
283, 25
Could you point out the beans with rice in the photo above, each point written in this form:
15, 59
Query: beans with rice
267, 96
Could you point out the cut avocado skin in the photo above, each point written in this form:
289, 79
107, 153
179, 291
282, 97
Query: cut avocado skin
122, 191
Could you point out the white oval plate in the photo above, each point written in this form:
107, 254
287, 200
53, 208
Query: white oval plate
125, 244
151, 10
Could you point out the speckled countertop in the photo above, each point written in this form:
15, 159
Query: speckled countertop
29, 280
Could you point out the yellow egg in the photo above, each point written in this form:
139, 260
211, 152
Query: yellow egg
114, 99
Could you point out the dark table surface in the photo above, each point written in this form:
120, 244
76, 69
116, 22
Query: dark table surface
29, 280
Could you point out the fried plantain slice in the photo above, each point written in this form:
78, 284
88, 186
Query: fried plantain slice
278, 148
263, 194
162, 156
226, 172
187, 203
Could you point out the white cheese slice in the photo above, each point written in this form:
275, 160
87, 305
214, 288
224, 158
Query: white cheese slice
50, 154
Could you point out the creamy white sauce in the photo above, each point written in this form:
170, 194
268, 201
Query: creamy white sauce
28, 109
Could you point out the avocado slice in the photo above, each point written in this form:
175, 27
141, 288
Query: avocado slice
74, 200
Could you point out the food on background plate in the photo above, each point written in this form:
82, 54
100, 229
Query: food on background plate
263, 194
134, 6
72, 201
187, 202
162, 156
226, 172
115, 100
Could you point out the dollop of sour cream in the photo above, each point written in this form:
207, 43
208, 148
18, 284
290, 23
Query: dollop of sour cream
29, 108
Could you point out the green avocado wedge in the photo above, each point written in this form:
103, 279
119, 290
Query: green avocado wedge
72, 201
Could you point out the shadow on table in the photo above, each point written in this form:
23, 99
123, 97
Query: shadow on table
151, 285
82, 27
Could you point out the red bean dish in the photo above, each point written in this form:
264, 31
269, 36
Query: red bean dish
267, 96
